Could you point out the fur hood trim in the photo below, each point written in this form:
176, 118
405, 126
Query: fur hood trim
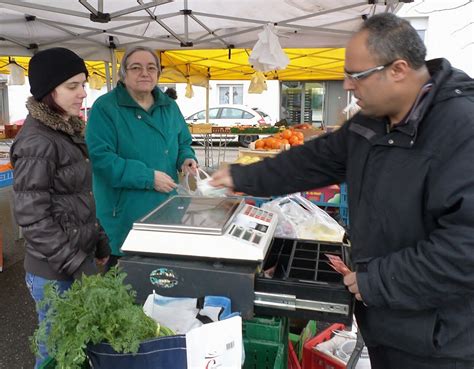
41, 112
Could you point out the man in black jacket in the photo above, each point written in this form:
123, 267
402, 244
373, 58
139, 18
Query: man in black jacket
408, 160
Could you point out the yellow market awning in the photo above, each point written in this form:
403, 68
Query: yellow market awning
219, 64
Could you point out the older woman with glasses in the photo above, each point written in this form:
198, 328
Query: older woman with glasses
138, 141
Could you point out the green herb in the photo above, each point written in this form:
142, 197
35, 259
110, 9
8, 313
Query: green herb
95, 309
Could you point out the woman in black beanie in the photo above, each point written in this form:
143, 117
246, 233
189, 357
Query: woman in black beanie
52, 188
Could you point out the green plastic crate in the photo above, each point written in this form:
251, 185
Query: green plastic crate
264, 355
272, 329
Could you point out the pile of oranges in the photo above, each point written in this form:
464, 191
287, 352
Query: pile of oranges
280, 140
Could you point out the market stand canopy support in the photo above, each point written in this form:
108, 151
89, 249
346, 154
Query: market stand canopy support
95, 32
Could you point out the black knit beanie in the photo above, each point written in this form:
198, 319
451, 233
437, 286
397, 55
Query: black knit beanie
49, 68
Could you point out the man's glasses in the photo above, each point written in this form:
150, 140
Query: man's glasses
357, 76
137, 68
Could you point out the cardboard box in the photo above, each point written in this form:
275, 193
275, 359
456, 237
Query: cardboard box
259, 153
221, 130
200, 128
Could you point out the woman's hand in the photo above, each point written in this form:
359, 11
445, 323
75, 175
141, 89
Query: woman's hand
189, 166
163, 182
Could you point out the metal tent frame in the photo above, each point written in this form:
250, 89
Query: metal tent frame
92, 30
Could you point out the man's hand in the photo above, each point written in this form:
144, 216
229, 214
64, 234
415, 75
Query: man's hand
189, 166
222, 178
350, 280
163, 182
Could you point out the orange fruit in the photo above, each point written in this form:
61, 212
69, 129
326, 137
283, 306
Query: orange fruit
285, 141
276, 145
287, 134
293, 140
299, 135
269, 141
259, 144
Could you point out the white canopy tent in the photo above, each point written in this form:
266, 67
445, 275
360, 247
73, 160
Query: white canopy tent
93, 28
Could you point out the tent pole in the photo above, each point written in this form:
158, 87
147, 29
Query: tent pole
208, 141
113, 59
107, 76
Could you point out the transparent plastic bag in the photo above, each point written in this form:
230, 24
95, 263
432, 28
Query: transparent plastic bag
198, 185
301, 219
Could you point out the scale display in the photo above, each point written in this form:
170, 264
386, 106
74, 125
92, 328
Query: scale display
202, 215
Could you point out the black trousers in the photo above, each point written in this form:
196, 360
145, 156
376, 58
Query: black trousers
382, 357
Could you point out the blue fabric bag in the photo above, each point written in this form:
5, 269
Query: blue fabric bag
157, 353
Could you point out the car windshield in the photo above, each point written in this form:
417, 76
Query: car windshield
263, 114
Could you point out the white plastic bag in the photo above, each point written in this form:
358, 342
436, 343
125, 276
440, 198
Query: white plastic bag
181, 314
200, 187
301, 219
267, 54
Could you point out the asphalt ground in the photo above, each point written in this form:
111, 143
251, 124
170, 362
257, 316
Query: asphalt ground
17, 309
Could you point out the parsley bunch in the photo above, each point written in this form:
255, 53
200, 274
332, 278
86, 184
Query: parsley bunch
97, 308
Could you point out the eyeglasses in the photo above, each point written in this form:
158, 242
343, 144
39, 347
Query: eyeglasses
357, 76
137, 68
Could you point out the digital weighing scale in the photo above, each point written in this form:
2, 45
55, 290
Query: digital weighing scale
201, 246
204, 227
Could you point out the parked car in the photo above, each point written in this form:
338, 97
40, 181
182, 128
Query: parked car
231, 116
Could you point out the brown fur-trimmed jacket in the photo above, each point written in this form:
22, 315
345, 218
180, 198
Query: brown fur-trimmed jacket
53, 198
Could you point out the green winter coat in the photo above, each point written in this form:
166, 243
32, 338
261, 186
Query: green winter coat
126, 145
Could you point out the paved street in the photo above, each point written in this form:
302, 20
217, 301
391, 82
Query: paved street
216, 155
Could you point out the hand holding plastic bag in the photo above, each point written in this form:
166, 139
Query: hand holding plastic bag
301, 219
202, 186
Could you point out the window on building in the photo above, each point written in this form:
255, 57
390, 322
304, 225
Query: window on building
231, 94
421, 33
420, 24
303, 102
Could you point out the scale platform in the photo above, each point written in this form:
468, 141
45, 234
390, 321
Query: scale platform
204, 227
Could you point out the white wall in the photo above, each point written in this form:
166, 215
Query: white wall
268, 101
450, 29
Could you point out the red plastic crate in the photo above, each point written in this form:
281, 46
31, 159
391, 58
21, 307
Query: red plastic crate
313, 359
293, 362
323, 194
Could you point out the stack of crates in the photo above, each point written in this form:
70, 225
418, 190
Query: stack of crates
344, 205
265, 343
6, 178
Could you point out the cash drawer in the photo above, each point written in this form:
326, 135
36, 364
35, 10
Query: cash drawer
294, 280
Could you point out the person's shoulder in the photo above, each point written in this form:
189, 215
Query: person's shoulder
35, 140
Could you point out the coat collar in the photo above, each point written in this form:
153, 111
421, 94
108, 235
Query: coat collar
42, 113
125, 99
